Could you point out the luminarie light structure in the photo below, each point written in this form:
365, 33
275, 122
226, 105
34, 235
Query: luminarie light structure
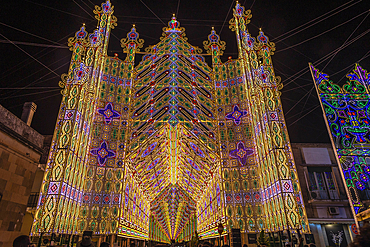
172, 145
347, 114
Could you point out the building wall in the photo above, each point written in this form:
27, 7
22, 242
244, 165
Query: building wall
20, 151
324, 195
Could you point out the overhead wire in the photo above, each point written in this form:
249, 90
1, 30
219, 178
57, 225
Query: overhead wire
291, 108
294, 49
223, 24
157, 23
346, 40
152, 12
307, 98
83, 9
365, 56
87, 4
43, 38
92, 3
35, 72
65, 12
157, 18
35, 100
21, 88
296, 114
304, 115
302, 29
177, 10
40, 92
118, 28
33, 83
142, 35
295, 88
311, 38
251, 5
34, 35
91, 15
182, 19
29, 55
324, 58
199, 20
284, 74
33, 44
18, 67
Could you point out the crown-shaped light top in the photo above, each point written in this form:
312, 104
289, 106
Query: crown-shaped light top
262, 37
133, 35
239, 10
132, 42
81, 34
173, 25
213, 37
214, 45
107, 7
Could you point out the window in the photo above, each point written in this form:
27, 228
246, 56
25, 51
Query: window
329, 180
321, 183
32, 200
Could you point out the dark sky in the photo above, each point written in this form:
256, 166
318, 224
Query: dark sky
41, 29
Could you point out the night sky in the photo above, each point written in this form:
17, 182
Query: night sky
304, 31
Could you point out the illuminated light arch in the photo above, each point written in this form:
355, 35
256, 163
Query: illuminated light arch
172, 145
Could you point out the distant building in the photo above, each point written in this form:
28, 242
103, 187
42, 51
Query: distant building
20, 150
327, 206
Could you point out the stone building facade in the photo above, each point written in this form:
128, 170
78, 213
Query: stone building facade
20, 151
328, 210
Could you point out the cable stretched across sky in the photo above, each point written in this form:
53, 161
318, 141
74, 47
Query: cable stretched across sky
153, 12
33, 44
311, 38
231, 6
35, 82
37, 99
300, 29
340, 48
324, 58
29, 55
18, 67
37, 36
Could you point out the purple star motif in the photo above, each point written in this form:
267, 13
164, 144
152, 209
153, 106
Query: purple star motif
109, 113
241, 153
103, 153
236, 115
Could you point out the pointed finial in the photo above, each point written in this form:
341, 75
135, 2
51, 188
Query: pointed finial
173, 24
213, 28
133, 25
83, 24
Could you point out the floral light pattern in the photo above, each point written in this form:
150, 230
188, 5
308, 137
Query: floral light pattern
241, 153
